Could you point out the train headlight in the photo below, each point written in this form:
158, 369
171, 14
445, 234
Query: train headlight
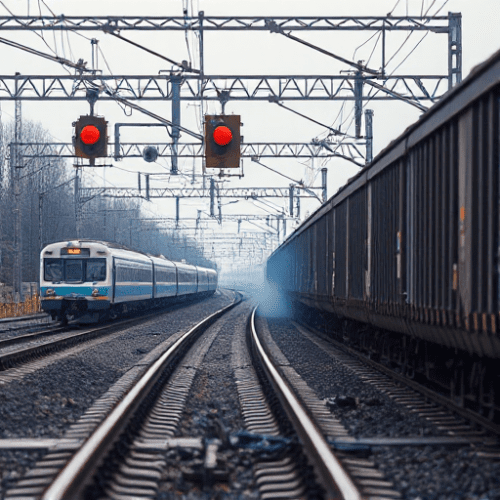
95, 292
50, 292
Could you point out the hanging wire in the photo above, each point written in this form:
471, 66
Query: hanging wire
370, 97
40, 35
105, 60
374, 47
394, 8
363, 44
411, 32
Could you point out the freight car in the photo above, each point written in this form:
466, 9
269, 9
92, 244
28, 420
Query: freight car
92, 280
409, 248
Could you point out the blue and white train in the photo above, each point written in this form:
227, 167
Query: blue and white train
93, 280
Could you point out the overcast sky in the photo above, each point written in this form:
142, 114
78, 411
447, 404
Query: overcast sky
240, 53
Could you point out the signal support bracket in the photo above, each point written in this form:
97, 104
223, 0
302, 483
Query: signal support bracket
224, 96
92, 96
117, 155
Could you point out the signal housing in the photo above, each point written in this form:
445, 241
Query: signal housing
98, 149
222, 156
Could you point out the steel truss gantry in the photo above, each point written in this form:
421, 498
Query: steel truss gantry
205, 224
228, 217
188, 87
247, 193
255, 87
345, 148
226, 87
438, 24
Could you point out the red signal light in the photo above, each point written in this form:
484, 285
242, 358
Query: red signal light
91, 138
90, 134
222, 141
223, 135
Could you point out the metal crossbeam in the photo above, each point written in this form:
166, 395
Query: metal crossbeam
228, 217
437, 24
194, 150
245, 87
166, 192
270, 235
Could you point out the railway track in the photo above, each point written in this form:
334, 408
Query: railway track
132, 421
119, 448
23, 349
143, 438
374, 453
9, 326
340, 472
449, 416
20, 349
28, 337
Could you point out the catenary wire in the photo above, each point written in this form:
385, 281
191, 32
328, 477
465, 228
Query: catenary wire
370, 97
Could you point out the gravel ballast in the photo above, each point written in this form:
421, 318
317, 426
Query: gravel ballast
419, 473
46, 402
212, 412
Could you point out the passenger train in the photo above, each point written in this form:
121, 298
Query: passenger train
91, 280
404, 260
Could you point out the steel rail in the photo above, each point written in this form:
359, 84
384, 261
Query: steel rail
29, 336
334, 478
71, 482
22, 355
15, 319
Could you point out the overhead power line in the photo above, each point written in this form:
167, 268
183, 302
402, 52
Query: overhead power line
132, 105
184, 64
275, 99
80, 65
274, 28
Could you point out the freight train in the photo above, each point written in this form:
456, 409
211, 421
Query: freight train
408, 250
90, 281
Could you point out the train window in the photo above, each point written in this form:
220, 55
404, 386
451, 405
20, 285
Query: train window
96, 270
54, 269
165, 276
133, 274
186, 276
74, 270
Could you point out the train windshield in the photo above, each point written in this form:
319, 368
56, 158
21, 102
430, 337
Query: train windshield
74, 270
54, 270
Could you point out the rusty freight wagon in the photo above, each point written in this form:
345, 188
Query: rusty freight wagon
409, 247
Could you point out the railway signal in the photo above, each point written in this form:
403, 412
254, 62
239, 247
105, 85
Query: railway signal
91, 137
222, 141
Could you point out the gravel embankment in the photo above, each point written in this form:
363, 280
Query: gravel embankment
46, 402
419, 473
